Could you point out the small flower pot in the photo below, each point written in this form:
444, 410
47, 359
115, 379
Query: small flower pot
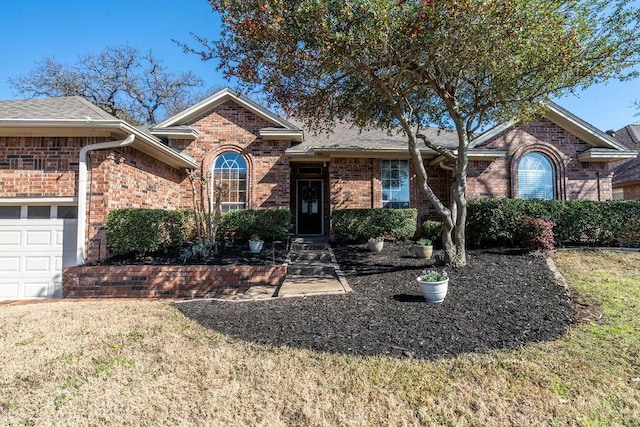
375, 246
434, 292
423, 251
255, 246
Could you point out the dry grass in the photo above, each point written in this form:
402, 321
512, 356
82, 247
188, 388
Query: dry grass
143, 363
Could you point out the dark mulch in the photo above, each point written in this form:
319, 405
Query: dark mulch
229, 253
501, 300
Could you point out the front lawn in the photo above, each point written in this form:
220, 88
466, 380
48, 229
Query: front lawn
144, 363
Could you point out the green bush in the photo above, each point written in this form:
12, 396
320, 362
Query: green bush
498, 222
143, 231
359, 225
432, 230
269, 224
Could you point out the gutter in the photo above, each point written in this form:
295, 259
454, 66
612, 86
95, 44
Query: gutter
82, 190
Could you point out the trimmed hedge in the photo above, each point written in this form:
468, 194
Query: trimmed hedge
143, 231
269, 224
359, 225
497, 222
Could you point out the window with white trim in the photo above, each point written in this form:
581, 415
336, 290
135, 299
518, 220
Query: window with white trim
230, 171
395, 184
536, 177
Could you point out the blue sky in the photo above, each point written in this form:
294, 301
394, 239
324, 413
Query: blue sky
64, 29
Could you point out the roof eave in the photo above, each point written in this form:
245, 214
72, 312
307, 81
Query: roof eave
605, 155
295, 135
143, 142
190, 133
580, 128
218, 98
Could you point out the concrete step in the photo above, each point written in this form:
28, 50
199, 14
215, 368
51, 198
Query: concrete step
311, 270
311, 257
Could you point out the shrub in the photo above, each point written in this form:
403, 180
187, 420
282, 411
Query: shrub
359, 225
269, 224
496, 222
432, 230
143, 231
537, 233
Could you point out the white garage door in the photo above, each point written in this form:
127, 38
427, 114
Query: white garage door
34, 248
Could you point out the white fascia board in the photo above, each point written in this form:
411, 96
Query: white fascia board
282, 134
486, 154
494, 131
190, 133
155, 148
605, 155
218, 98
38, 200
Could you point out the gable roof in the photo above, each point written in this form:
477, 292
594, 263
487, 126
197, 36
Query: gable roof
628, 171
73, 115
281, 128
345, 139
604, 146
57, 108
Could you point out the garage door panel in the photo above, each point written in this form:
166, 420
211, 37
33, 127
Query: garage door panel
32, 255
10, 264
35, 289
37, 263
9, 289
39, 238
9, 237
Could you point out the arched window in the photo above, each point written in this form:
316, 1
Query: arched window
230, 171
536, 177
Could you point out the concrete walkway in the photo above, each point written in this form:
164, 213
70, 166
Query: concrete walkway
312, 270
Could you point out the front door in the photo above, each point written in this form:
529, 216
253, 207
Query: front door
309, 211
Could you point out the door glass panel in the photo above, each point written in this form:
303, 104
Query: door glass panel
38, 212
68, 212
9, 212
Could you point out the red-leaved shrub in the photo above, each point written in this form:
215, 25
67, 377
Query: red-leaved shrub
537, 233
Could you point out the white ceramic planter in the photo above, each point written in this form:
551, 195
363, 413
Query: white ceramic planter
375, 246
255, 246
434, 292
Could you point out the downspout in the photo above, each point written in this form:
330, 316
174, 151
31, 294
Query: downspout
82, 190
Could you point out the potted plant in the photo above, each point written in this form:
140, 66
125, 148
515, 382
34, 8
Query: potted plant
375, 244
433, 285
255, 244
423, 248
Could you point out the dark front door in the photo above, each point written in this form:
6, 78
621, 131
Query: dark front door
309, 210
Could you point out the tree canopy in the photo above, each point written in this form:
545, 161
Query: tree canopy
402, 64
131, 85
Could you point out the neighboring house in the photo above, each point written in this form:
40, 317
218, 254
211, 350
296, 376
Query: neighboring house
626, 175
64, 164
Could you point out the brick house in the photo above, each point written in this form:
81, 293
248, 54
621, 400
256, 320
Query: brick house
626, 177
65, 163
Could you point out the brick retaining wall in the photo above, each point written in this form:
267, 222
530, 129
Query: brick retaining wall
153, 281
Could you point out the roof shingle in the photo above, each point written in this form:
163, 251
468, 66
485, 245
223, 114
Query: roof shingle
58, 108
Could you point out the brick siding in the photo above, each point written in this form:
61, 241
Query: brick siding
126, 178
41, 166
229, 127
188, 281
575, 179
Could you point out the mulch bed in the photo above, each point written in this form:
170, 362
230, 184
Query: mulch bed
501, 300
230, 252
